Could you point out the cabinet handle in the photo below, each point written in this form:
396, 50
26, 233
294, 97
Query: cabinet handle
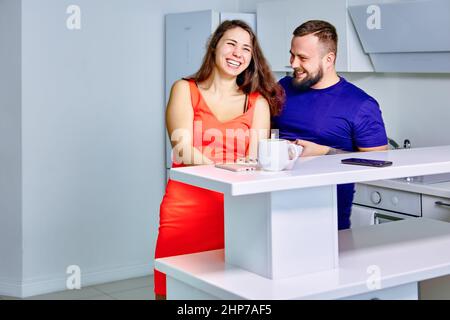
443, 204
440, 203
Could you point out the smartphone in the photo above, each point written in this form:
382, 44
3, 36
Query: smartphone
367, 162
236, 167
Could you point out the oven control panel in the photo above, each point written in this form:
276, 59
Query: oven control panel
388, 199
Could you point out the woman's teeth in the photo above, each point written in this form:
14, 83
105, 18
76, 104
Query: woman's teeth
233, 63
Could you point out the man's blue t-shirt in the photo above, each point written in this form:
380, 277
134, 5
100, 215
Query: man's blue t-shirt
341, 116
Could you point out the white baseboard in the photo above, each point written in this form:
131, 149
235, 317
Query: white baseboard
50, 284
11, 288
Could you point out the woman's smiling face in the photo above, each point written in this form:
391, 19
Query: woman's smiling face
234, 52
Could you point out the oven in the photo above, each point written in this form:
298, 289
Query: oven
383, 205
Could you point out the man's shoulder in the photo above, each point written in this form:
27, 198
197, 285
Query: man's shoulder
356, 92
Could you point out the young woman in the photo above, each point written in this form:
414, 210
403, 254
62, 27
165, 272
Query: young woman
215, 116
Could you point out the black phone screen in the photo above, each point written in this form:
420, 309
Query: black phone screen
367, 162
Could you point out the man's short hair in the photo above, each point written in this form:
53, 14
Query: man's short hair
323, 30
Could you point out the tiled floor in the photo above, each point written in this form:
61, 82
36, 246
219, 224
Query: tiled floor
132, 289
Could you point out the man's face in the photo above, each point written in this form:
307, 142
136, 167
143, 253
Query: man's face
307, 61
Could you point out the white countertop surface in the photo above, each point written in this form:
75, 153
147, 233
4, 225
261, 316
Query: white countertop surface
318, 171
405, 251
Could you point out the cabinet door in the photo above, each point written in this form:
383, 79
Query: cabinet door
273, 36
436, 208
186, 38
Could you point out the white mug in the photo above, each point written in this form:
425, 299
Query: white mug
277, 154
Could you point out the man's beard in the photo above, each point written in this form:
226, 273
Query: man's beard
308, 82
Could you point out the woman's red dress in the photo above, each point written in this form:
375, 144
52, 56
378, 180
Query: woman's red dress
191, 218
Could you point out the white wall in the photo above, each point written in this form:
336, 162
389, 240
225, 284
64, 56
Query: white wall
93, 133
10, 148
88, 186
414, 106
250, 5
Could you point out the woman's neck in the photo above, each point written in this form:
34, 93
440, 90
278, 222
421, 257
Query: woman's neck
219, 83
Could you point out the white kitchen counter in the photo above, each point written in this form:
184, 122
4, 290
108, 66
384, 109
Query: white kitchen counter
318, 171
404, 252
282, 227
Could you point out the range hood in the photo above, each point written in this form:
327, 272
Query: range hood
407, 36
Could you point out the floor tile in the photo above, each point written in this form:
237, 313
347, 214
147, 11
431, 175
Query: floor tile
135, 294
9, 298
132, 289
126, 285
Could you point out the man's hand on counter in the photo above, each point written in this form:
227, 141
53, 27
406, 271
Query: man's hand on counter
314, 149
311, 148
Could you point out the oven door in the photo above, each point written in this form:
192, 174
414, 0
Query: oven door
364, 216
383, 216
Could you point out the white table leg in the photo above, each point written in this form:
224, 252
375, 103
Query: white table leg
284, 233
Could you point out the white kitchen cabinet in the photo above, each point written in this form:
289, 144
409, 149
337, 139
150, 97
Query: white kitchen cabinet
439, 209
277, 20
273, 36
436, 208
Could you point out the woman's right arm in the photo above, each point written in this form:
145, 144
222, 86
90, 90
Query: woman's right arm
180, 123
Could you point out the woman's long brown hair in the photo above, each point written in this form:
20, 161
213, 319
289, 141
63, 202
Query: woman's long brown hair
257, 77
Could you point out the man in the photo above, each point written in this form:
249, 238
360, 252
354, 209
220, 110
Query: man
323, 112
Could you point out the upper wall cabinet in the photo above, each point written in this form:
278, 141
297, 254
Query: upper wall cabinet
405, 36
278, 19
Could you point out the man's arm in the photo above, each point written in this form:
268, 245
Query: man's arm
314, 149
311, 148
380, 148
